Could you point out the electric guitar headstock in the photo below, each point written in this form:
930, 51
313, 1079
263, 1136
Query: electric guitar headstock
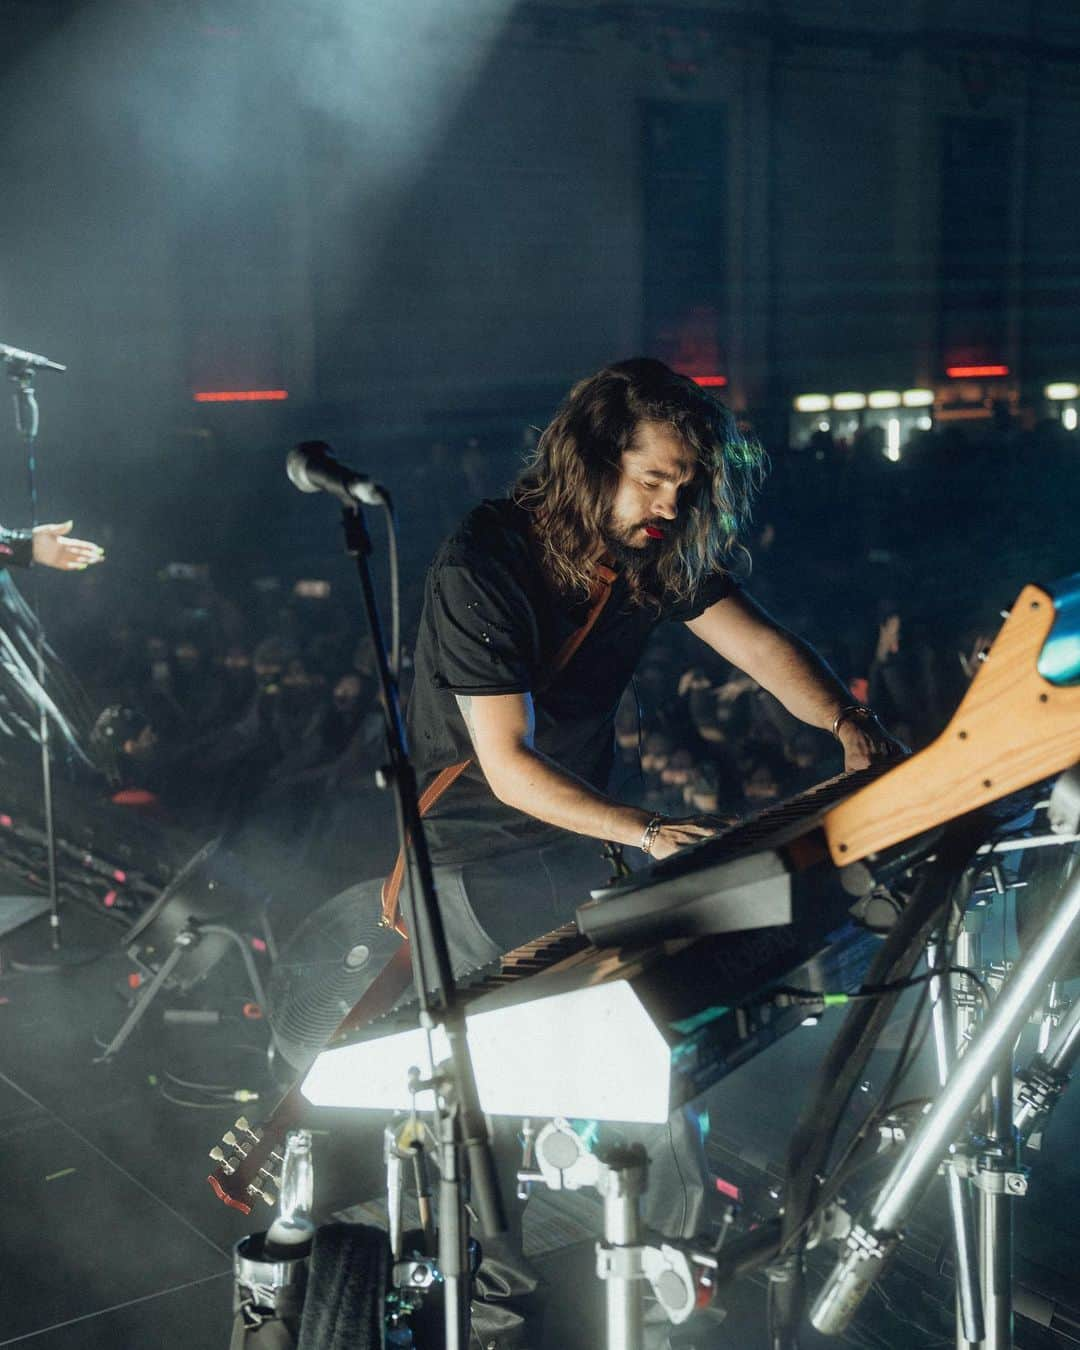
249, 1158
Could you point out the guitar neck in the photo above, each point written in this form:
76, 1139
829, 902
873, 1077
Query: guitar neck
252, 1169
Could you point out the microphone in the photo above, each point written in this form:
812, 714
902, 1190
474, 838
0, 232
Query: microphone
311, 467
12, 356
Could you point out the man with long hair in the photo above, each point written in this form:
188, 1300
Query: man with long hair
644, 474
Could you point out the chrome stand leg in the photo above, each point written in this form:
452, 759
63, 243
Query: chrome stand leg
969, 1322
999, 1181
619, 1264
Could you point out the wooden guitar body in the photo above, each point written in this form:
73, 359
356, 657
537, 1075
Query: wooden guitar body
1015, 726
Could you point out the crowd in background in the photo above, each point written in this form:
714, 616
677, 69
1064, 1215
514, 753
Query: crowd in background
215, 691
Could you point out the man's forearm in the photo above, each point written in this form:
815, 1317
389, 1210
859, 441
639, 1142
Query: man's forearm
794, 673
528, 781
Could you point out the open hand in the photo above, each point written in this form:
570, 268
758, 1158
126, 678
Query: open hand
53, 547
676, 834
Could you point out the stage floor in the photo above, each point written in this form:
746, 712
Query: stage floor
112, 1238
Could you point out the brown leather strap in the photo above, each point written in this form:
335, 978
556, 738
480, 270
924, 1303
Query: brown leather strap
391, 888
602, 584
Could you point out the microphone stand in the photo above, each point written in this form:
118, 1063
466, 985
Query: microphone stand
20, 368
462, 1127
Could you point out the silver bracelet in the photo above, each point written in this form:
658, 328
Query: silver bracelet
854, 712
651, 831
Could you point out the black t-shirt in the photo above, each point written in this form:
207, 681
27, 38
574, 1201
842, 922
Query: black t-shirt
491, 625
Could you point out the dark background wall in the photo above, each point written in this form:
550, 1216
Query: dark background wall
424, 221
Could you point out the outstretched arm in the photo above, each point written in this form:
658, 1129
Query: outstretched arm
740, 631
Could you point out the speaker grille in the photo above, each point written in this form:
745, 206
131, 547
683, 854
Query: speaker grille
324, 969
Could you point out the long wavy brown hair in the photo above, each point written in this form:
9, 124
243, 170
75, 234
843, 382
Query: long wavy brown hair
569, 482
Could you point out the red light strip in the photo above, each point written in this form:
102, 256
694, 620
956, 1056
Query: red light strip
710, 381
240, 395
973, 372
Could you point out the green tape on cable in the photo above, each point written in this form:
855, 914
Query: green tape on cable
701, 1019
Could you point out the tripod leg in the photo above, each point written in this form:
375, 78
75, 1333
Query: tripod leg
961, 1209
142, 1004
996, 1171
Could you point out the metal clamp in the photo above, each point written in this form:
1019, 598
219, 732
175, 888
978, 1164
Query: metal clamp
1041, 1086
993, 1181
564, 1161
620, 1263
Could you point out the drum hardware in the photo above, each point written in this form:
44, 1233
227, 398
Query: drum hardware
682, 1277
416, 1277
983, 1172
528, 1159
186, 943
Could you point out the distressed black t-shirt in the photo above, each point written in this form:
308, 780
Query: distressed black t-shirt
491, 625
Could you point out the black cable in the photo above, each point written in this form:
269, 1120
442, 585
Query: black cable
880, 990
682, 1179
395, 590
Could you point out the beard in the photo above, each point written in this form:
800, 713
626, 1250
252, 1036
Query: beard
629, 558
633, 557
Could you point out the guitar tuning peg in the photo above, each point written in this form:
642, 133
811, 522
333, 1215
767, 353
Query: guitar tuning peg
267, 1196
229, 1138
242, 1124
219, 1157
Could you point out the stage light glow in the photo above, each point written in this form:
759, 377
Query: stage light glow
975, 372
710, 381
892, 439
917, 398
1068, 419
620, 1068
849, 402
811, 403
925, 423
1062, 389
241, 395
883, 398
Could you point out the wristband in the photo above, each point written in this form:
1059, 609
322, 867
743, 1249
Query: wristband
651, 831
